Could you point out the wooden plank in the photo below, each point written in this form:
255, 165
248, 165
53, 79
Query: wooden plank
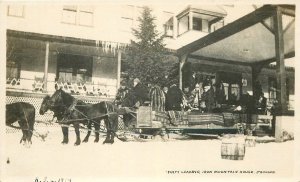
235, 62
228, 30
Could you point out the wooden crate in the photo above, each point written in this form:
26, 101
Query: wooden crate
144, 117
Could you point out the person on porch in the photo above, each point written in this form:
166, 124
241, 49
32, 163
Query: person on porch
208, 97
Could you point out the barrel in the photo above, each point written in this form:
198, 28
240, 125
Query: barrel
233, 147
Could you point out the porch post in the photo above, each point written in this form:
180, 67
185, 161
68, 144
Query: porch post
281, 75
190, 20
119, 69
256, 69
46, 67
280, 67
182, 60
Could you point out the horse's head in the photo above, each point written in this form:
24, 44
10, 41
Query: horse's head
56, 100
45, 106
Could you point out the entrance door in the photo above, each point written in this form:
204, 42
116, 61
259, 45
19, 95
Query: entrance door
74, 68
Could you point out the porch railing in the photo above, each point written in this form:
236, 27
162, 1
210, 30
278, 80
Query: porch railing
37, 85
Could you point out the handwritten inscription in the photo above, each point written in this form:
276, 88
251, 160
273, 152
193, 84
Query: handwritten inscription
45, 179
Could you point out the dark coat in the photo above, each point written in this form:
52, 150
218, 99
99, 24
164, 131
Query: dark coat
140, 93
174, 99
209, 99
121, 94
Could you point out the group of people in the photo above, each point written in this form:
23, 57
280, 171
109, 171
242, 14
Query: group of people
202, 97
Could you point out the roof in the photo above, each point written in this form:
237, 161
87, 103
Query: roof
214, 10
248, 40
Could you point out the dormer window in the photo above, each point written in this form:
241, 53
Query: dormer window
200, 24
204, 19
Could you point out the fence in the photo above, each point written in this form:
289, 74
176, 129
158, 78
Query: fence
85, 89
36, 100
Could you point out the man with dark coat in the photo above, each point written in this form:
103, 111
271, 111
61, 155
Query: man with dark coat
140, 93
122, 93
174, 98
208, 96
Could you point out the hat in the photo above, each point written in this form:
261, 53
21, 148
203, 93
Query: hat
136, 80
206, 82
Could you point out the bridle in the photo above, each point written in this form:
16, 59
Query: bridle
54, 104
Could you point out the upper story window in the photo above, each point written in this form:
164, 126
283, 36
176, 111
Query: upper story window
168, 25
129, 17
78, 15
15, 10
183, 25
200, 24
203, 18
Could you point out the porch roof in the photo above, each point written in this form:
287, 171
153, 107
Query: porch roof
248, 40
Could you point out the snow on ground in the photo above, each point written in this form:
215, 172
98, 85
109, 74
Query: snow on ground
173, 159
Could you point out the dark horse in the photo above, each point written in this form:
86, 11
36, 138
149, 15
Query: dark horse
69, 110
24, 113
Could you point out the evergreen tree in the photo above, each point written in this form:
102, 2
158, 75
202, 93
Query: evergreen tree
146, 58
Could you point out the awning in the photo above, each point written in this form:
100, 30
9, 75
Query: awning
248, 40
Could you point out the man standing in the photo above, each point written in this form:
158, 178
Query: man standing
208, 96
174, 98
174, 103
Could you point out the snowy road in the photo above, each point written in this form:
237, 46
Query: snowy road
50, 160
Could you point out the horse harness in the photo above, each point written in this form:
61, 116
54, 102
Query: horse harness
72, 108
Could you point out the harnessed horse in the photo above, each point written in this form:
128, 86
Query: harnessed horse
69, 110
24, 113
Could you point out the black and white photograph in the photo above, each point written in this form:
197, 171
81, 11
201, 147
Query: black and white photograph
149, 90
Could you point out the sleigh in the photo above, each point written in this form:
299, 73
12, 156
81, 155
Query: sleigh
191, 123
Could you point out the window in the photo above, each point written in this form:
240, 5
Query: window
200, 24
169, 30
74, 68
183, 25
168, 23
127, 18
16, 10
78, 15
86, 16
197, 23
12, 70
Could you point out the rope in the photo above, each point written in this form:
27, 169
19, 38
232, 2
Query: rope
38, 135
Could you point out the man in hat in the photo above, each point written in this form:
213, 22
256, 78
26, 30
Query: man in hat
208, 97
122, 92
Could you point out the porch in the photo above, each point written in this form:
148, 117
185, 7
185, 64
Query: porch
42, 63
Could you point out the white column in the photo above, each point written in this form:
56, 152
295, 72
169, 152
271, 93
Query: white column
182, 61
46, 67
119, 69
